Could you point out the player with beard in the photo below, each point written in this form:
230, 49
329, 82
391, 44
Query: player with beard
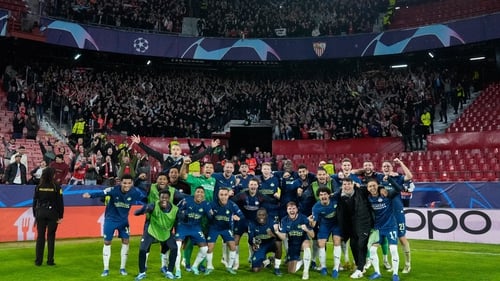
295, 227
225, 213
243, 178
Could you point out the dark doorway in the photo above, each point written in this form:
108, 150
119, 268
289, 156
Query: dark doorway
250, 137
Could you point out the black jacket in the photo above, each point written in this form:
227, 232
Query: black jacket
354, 213
11, 171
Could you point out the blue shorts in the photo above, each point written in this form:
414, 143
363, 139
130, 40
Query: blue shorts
227, 235
391, 236
194, 232
325, 231
240, 227
260, 255
110, 227
401, 220
294, 250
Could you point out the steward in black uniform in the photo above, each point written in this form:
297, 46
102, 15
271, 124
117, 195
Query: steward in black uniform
48, 209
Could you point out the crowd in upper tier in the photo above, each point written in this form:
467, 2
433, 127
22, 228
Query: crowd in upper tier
253, 18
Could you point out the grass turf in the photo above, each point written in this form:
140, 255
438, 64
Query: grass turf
81, 259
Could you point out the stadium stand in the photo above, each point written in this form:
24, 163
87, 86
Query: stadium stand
227, 18
482, 115
431, 12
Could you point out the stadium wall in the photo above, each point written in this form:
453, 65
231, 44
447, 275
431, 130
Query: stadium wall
329, 147
468, 140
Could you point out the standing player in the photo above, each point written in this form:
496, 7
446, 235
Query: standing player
322, 181
242, 179
366, 174
295, 228
381, 202
262, 240
175, 196
249, 202
325, 214
305, 193
269, 186
206, 181
192, 210
346, 172
161, 221
388, 171
225, 212
225, 180
121, 198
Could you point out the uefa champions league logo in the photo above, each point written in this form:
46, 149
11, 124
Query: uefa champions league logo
141, 45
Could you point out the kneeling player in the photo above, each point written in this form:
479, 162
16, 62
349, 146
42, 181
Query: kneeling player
295, 228
262, 239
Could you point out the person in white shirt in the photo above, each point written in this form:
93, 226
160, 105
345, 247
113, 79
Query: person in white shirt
24, 158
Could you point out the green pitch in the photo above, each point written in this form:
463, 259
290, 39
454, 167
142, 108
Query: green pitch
82, 260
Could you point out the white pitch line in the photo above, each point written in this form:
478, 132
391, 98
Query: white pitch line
457, 252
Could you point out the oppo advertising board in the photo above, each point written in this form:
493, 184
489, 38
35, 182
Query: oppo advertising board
456, 225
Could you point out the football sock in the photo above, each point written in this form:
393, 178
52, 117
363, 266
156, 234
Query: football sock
106, 255
210, 260
374, 259
406, 250
395, 258
337, 253
322, 257
124, 255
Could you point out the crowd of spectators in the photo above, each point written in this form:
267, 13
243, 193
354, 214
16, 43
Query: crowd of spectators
252, 18
157, 15
188, 103
293, 18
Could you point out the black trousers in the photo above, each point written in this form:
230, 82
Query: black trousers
167, 245
46, 224
359, 247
